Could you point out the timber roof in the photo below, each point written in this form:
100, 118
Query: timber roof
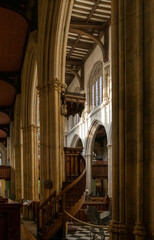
89, 21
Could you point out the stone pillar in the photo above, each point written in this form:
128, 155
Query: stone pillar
52, 139
11, 158
139, 229
17, 146
88, 159
30, 163
53, 22
133, 94
109, 170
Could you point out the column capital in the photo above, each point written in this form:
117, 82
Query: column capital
30, 127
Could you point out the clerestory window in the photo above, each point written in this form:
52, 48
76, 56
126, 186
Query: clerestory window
96, 86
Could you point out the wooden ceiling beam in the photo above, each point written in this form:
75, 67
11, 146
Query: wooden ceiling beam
106, 3
88, 26
74, 62
84, 4
100, 17
75, 74
80, 44
104, 9
93, 10
96, 40
80, 14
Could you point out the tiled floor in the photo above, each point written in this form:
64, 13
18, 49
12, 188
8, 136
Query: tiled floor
75, 232
83, 233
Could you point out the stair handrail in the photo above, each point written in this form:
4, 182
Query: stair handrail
47, 200
40, 207
61, 195
71, 185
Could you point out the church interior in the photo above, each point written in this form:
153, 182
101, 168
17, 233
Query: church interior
77, 119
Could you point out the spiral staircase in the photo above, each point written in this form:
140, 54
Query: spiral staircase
51, 217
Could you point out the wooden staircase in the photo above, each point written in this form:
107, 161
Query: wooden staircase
51, 217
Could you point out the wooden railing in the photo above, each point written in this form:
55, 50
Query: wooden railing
101, 204
5, 172
51, 214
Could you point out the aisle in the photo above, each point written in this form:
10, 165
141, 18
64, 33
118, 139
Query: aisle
25, 234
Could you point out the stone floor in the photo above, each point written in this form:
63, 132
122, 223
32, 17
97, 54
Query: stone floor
84, 232
26, 234
75, 232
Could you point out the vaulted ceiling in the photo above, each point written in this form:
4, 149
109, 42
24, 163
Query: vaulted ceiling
90, 20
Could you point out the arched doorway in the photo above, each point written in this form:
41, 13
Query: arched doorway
98, 157
99, 164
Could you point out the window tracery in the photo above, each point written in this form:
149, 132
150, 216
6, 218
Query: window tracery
96, 86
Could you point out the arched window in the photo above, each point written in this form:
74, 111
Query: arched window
96, 86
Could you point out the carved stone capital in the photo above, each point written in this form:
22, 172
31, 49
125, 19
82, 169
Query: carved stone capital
64, 109
40, 88
55, 85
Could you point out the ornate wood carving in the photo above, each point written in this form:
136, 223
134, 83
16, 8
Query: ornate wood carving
72, 103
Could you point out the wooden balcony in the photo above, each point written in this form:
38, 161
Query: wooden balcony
5, 172
72, 103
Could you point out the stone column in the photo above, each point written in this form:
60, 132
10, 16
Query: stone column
133, 91
52, 139
18, 173
109, 170
17, 147
139, 229
11, 158
88, 159
54, 20
30, 163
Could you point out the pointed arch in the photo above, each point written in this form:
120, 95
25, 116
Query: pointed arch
95, 86
89, 143
76, 140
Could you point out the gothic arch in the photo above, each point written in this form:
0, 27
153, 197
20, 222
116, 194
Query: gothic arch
97, 69
29, 84
91, 136
75, 140
96, 72
89, 144
29, 115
